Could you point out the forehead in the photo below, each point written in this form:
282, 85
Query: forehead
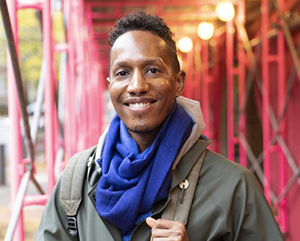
138, 45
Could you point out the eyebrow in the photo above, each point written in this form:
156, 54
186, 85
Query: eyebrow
155, 61
124, 63
120, 64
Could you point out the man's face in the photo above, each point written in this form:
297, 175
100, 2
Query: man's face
142, 84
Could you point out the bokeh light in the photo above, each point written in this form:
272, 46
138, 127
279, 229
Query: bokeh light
225, 11
185, 44
205, 30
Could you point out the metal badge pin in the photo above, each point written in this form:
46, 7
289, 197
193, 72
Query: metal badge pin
184, 184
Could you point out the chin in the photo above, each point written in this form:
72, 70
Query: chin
141, 129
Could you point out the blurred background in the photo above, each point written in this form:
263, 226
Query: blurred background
242, 64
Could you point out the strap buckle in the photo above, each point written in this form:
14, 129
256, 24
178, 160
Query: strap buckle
72, 226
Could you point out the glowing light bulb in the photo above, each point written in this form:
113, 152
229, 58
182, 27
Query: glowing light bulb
185, 44
205, 30
225, 11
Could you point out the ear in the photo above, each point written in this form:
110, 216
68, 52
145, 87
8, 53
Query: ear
180, 80
108, 81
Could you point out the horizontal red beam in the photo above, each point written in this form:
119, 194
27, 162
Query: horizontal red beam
116, 14
170, 23
35, 200
61, 47
34, 4
153, 3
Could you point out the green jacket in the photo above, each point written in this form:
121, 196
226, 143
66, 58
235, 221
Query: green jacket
228, 205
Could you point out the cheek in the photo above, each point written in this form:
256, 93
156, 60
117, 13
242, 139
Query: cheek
115, 91
168, 90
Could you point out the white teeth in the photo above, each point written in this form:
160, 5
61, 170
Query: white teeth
139, 105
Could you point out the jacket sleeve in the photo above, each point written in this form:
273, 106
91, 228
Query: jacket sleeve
53, 225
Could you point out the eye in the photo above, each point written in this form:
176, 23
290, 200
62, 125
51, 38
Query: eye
153, 71
121, 73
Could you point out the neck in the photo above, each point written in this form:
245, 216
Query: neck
144, 140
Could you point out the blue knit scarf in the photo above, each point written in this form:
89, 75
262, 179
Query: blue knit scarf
132, 182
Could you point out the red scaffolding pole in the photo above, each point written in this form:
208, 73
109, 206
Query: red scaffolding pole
16, 150
205, 88
235, 66
273, 153
50, 108
84, 85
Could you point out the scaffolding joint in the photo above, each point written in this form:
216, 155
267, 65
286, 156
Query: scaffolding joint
29, 165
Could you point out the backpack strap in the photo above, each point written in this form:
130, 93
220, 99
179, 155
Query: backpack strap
178, 208
72, 185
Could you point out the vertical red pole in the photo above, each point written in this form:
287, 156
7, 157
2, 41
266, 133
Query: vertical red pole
282, 131
230, 101
93, 97
242, 88
67, 117
265, 96
217, 84
101, 83
189, 79
185, 67
49, 95
205, 88
96, 96
70, 93
197, 76
15, 141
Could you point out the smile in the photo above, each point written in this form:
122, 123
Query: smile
139, 105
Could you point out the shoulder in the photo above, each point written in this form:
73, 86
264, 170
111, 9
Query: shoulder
233, 189
84, 154
228, 181
229, 186
218, 169
230, 198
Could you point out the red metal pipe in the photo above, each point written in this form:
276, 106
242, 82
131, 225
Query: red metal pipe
230, 101
35, 200
282, 130
189, 74
70, 93
146, 3
38, 5
216, 97
242, 85
16, 150
49, 95
205, 88
197, 75
265, 96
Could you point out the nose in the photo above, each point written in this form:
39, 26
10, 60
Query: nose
138, 84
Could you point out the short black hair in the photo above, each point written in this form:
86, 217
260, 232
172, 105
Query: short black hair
139, 20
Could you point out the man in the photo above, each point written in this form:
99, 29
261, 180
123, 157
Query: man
148, 146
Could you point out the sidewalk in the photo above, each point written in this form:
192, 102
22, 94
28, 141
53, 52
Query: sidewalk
32, 217
31, 214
